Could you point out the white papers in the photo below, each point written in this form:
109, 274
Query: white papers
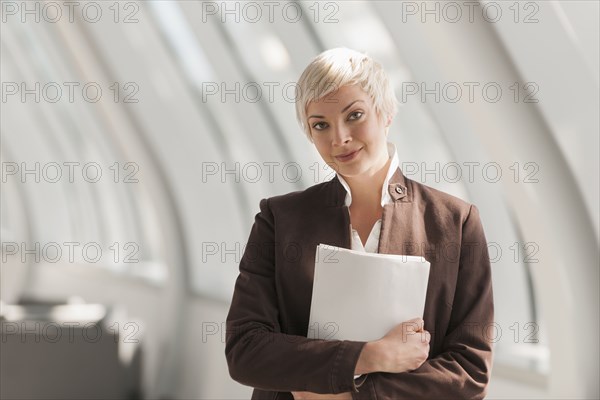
361, 296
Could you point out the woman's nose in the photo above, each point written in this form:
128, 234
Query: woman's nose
341, 135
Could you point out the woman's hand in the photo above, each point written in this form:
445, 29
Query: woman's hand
405, 347
318, 396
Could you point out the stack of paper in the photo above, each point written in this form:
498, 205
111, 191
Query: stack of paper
361, 296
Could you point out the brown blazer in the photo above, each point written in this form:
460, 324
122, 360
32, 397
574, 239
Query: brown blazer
266, 344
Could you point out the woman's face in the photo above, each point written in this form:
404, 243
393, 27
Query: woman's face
348, 133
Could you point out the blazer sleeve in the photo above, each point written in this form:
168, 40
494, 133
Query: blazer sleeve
462, 370
258, 353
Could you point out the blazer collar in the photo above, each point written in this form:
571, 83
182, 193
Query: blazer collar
397, 188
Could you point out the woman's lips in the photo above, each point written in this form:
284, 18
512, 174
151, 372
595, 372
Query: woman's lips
348, 156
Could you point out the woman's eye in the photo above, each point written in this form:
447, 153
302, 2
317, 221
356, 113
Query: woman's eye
355, 115
320, 126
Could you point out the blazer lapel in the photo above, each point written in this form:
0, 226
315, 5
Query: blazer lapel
336, 211
397, 224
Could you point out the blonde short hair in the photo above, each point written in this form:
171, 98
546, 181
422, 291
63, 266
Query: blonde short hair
339, 67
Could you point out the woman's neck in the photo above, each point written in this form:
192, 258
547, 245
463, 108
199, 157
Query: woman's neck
366, 189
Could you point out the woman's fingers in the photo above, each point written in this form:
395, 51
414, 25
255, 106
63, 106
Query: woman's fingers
415, 324
426, 336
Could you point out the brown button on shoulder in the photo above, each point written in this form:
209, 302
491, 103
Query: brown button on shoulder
397, 191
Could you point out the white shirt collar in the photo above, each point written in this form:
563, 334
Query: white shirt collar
385, 195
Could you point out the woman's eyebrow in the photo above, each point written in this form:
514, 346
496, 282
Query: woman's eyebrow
343, 111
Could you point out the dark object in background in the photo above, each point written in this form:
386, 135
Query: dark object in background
67, 351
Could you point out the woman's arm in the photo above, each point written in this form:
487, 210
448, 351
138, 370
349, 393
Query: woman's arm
404, 348
462, 371
258, 354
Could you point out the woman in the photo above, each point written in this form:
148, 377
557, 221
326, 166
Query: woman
345, 106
